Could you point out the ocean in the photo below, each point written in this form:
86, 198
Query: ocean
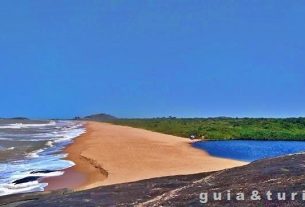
31, 151
250, 150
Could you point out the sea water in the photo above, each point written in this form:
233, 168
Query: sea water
32, 150
249, 150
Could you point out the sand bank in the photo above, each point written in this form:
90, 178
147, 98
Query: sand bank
110, 154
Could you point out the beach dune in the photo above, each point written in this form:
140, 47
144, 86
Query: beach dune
111, 154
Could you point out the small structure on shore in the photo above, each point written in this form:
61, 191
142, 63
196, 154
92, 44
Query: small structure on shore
192, 137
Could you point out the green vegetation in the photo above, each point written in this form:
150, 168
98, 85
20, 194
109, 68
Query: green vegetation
224, 128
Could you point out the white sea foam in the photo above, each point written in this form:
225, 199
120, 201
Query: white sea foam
11, 126
70, 134
50, 174
6, 149
44, 162
7, 189
34, 153
22, 140
22, 125
49, 144
17, 171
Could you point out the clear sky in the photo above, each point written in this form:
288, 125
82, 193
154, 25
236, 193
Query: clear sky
186, 58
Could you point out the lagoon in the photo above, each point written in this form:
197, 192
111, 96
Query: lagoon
249, 150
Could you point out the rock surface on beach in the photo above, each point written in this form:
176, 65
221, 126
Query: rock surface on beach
282, 174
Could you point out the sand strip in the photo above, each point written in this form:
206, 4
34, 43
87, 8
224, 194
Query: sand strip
110, 154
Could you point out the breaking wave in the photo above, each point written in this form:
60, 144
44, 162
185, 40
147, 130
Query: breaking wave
26, 174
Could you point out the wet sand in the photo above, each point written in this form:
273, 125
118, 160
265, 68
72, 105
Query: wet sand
110, 154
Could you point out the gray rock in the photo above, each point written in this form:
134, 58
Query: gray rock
281, 174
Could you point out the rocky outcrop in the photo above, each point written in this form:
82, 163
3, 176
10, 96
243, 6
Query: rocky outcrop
281, 174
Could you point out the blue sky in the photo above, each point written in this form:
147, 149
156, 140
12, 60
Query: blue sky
189, 58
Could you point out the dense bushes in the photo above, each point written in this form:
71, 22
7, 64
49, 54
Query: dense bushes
224, 128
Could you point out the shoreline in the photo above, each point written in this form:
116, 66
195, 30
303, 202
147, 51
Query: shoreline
111, 154
77, 176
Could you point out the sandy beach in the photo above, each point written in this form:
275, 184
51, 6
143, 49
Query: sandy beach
110, 154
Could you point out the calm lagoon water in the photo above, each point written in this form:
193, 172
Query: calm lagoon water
248, 150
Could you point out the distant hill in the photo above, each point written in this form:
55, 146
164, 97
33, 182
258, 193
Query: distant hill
16, 118
100, 117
